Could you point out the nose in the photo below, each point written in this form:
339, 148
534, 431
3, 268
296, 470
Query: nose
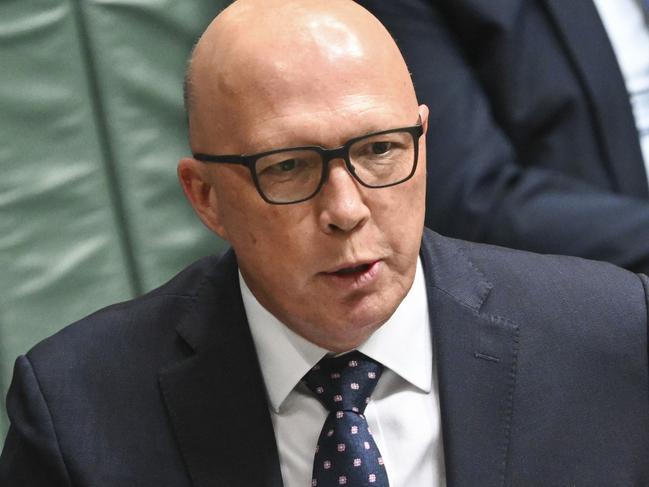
341, 205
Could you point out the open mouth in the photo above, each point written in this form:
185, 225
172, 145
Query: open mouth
349, 271
355, 277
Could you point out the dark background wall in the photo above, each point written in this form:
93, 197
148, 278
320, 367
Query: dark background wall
91, 128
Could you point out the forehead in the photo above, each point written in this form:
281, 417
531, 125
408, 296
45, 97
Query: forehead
294, 108
327, 125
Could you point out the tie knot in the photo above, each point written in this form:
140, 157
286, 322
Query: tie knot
344, 383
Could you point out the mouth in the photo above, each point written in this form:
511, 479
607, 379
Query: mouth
350, 271
355, 275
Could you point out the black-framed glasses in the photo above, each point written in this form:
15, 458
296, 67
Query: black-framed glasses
295, 174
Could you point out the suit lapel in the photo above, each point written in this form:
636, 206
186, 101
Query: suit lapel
476, 367
593, 58
216, 397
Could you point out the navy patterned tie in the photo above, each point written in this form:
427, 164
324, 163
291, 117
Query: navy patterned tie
346, 453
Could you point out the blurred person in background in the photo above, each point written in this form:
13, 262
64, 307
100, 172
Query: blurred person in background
539, 120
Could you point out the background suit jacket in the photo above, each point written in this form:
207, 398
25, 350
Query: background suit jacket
532, 142
541, 362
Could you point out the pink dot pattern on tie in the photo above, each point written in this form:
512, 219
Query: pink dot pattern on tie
346, 453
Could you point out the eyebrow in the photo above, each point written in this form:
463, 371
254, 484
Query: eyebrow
373, 128
241, 157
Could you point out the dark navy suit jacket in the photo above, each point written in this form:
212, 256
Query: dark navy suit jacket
541, 361
532, 142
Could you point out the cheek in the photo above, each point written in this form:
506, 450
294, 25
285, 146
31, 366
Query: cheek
404, 210
239, 205
415, 198
266, 237
404, 220
245, 232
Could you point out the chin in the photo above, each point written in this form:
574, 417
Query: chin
363, 323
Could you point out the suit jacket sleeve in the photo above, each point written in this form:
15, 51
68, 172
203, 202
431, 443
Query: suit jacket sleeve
31, 456
478, 188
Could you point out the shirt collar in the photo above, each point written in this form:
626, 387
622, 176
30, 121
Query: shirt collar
402, 344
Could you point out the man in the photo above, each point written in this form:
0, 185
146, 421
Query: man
467, 365
539, 121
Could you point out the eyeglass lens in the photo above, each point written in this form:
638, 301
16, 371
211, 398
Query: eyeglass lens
378, 160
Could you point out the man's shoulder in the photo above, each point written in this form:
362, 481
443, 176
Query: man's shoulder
518, 279
147, 322
503, 263
554, 305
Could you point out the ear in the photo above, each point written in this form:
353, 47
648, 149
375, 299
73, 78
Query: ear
195, 180
423, 115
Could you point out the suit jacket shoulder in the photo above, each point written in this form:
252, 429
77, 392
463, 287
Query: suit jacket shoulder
133, 394
542, 366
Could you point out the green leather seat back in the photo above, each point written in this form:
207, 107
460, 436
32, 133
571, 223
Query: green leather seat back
91, 129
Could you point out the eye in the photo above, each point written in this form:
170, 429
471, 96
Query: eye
286, 166
379, 148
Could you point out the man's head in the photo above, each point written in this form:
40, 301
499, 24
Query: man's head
272, 74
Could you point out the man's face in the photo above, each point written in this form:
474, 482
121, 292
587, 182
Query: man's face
335, 267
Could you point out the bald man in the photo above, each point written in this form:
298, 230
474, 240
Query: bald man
337, 342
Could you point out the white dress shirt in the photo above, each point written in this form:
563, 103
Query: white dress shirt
403, 412
627, 26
